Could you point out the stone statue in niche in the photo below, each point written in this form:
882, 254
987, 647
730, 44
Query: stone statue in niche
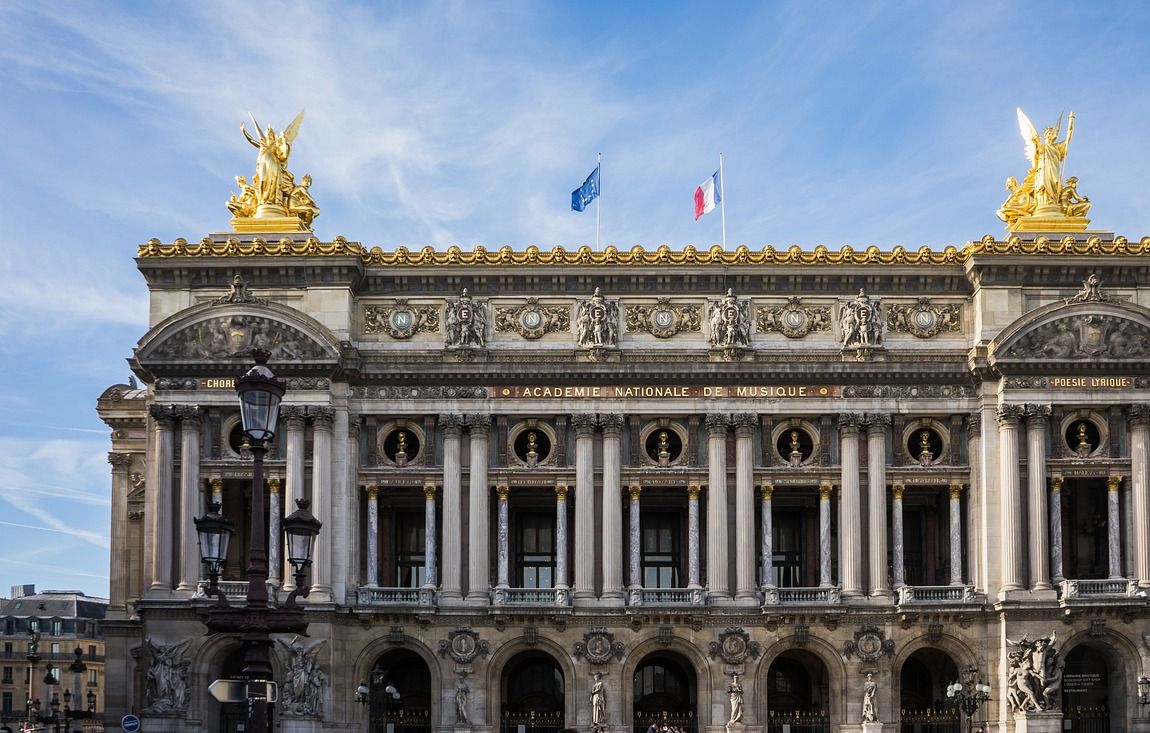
401, 449
796, 455
925, 454
532, 449
663, 453
1084, 448
870, 689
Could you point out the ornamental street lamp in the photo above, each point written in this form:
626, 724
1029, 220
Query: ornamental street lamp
1144, 690
969, 694
260, 394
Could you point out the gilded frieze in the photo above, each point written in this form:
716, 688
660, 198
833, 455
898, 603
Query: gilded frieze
531, 320
400, 320
664, 319
793, 319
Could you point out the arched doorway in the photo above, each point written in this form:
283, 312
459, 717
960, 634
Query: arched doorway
798, 694
1087, 699
665, 691
234, 715
399, 697
923, 706
533, 693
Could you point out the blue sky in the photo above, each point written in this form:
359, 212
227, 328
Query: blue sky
470, 123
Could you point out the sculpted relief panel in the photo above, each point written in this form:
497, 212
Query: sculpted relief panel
228, 336
1087, 336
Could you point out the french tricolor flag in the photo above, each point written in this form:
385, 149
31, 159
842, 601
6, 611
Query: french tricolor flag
708, 194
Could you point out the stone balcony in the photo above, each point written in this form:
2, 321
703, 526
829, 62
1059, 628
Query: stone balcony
928, 595
817, 596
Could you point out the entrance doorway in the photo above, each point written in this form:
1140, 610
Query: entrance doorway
798, 694
1086, 702
533, 694
399, 694
923, 706
234, 715
665, 691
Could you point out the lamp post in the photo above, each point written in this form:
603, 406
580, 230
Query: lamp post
260, 394
1144, 690
968, 694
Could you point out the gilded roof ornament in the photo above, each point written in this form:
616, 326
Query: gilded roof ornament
1044, 202
273, 201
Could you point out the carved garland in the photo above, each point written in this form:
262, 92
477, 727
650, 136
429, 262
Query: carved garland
664, 320
924, 319
400, 320
793, 320
463, 645
531, 320
599, 646
734, 645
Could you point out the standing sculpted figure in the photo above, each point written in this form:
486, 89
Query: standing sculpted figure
463, 702
870, 689
272, 181
1043, 193
598, 700
301, 693
735, 694
168, 676
596, 322
1034, 678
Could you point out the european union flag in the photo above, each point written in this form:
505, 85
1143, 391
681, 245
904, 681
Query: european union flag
586, 193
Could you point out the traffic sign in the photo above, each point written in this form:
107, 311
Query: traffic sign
130, 723
242, 690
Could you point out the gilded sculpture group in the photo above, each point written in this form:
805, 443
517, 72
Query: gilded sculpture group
1043, 201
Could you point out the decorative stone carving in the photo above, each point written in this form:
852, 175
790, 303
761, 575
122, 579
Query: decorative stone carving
463, 645
229, 336
664, 319
417, 393
597, 324
400, 320
1026, 382
238, 293
1087, 336
793, 320
301, 692
167, 677
908, 390
463, 700
1091, 292
869, 644
735, 695
730, 324
531, 320
734, 645
923, 319
861, 323
599, 646
465, 322
870, 689
598, 700
1034, 679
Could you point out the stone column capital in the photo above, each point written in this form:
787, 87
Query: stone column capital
633, 491
121, 462
611, 424
354, 423
321, 417
717, 424
1056, 483
293, 416
1009, 415
1036, 415
898, 490
372, 491
561, 492
973, 423
767, 491
429, 491
584, 424
479, 422
956, 490
451, 424
825, 489
503, 491
849, 423
164, 415
190, 416
216, 483
745, 423
693, 491
1138, 415
1113, 483
877, 422
274, 483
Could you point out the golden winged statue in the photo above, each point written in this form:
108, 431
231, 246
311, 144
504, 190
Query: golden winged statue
273, 201
1043, 201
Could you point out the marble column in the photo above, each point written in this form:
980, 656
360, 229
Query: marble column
502, 534
1113, 527
275, 530
956, 534
118, 577
1036, 427
354, 565
430, 545
717, 520
635, 574
612, 540
898, 546
295, 419
1139, 421
452, 588
975, 499
478, 535
767, 569
561, 538
584, 507
321, 421
825, 580
876, 430
745, 590
372, 492
693, 491
850, 508
160, 561
1010, 514
1127, 532
191, 497
1056, 569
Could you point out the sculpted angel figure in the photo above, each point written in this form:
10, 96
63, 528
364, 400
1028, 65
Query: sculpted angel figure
273, 182
167, 676
1047, 156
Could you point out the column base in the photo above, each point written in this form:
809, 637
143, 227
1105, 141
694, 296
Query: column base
613, 598
1039, 721
478, 599
747, 597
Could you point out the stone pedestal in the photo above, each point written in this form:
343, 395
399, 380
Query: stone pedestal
872, 727
736, 728
1041, 721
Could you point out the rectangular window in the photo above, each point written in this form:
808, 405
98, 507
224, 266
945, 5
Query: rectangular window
6, 703
409, 558
92, 678
33, 625
660, 549
9, 627
535, 549
91, 651
787, 548
57, 627
7, 648
55, 647
55, 672
7, 679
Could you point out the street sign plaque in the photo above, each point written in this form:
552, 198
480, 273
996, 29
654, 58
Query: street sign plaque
242, 690
130, 723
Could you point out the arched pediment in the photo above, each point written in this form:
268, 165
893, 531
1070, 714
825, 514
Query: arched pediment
214, 332
1101, 336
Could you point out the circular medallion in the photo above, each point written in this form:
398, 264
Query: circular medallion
794, 319
532, 319
924, 319
663, 319
464, 313
402, 320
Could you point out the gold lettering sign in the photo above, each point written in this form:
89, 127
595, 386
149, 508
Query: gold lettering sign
1091, 382
653, 391
218, 383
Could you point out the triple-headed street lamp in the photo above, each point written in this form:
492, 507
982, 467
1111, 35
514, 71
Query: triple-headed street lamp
260, 395
968, 694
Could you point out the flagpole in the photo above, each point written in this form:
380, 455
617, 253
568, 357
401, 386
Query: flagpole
723, 200
599, 198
